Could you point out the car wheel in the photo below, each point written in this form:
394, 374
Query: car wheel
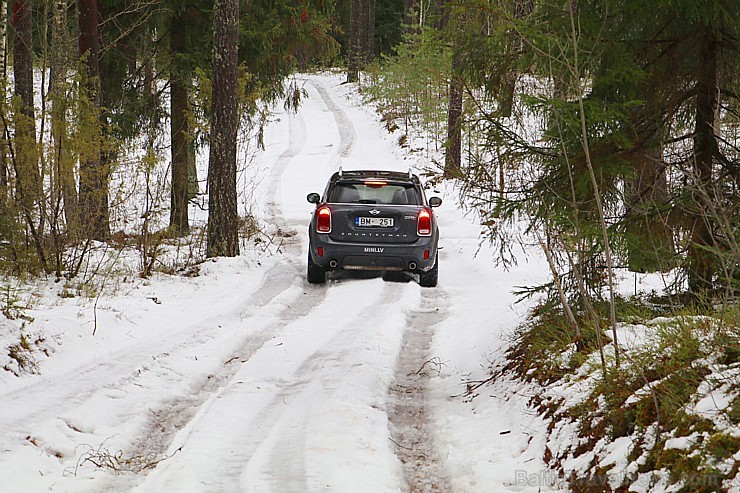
315, 274
429, 278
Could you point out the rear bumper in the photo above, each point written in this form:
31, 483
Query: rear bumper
373, 256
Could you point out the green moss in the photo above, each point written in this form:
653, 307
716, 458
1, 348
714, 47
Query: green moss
635, 310
686, 424
536, 353
721, 446
676, 390
704, 481
667, 371
682, 464
728, 342
734, 411
645, 412
669, 458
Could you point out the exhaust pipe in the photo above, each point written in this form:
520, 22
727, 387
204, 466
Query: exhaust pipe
412, 265
333, 264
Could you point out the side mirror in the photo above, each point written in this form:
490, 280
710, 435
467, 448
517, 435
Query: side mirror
314, 198
435, 202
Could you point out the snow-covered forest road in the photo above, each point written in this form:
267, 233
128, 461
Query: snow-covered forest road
248, 379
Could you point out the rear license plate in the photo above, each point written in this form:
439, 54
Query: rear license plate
382, 222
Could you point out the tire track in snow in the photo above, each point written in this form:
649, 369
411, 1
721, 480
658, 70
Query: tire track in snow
280, 451
290, 441
182, 411
176, 414
118, 368
297, 141
344, 124
179, 412
281, 300
276, 397
409, 417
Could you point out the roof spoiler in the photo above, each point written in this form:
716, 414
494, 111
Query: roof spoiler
340, 173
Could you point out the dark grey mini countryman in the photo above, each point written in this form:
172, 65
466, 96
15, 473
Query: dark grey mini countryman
373, 220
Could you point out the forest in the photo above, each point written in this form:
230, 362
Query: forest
601, 134
610, 129
605, 135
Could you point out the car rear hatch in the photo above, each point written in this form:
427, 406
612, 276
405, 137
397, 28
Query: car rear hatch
374, 223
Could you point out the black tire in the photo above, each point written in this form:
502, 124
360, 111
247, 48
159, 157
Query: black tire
429, 278
315, 274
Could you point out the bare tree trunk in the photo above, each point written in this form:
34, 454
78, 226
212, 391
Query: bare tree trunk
701, 266
178, 133
193, 189
453, 154
148, 68
28, 184
453, 145
4, 39
354, 47
521, 10
361, 36
28, 178
369, 38
223, 225
3, 141
62, 158
506, 98
179, 153
650, 239
93, 198
595, 186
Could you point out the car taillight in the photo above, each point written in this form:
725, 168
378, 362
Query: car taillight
323, 220
424, 223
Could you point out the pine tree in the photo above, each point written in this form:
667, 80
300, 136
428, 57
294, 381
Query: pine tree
453, 145
223, 238
179, 126
361, 37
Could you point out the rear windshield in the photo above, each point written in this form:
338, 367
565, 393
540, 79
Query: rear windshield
369, 192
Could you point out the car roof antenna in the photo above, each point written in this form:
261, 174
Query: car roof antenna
340, 172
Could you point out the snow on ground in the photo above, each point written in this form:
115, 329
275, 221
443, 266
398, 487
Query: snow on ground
246, 378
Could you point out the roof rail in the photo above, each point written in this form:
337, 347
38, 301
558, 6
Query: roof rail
411, 173
340, 172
